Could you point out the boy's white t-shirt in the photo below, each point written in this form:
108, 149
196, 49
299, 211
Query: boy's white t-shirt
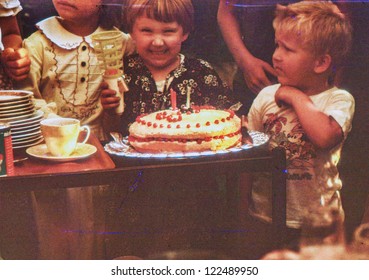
312, 174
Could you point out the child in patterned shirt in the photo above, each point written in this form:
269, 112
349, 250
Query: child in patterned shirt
159, 27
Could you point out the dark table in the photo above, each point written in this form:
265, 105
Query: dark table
103, 168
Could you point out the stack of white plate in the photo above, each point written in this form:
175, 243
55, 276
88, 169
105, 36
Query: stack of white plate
18, 110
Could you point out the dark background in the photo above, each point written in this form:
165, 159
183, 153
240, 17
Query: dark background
206, 42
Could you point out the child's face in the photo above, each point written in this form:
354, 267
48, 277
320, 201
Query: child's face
77, 10
158, 43
294, 65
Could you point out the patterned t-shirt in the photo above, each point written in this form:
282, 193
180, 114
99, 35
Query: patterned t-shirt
312, 174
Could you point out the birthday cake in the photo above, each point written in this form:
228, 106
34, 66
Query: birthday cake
198, 129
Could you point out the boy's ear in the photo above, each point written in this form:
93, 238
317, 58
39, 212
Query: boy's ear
322, 63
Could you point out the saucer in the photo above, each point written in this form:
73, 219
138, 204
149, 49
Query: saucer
82, 151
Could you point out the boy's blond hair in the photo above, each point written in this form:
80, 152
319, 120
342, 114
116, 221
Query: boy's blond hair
180, 11
320, 27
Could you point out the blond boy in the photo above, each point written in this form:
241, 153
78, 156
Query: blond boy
305, 114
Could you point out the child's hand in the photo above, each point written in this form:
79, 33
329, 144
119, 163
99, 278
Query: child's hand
108, 98
285, 95
16, 63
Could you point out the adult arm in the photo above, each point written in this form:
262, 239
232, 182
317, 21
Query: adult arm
10, 32
254, 70
14, 58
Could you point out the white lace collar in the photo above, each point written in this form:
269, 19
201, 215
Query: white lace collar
57, 34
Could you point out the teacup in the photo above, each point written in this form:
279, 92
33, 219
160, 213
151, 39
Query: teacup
61, 135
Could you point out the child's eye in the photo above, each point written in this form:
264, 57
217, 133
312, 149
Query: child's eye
169, 31
288, 49
146, 30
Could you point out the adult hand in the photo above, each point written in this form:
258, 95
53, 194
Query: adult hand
255, 73
16, 63
109, 100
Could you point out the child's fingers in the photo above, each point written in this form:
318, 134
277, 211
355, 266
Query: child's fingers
108, 99
110, 102
7, 53
105, 93
104, 85
20, 77
21, 63
17, 74
19, 54
14, 55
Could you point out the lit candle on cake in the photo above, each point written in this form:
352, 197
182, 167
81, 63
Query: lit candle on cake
173, 99
188, 102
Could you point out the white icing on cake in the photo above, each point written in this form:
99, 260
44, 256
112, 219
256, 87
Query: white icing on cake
175, 131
